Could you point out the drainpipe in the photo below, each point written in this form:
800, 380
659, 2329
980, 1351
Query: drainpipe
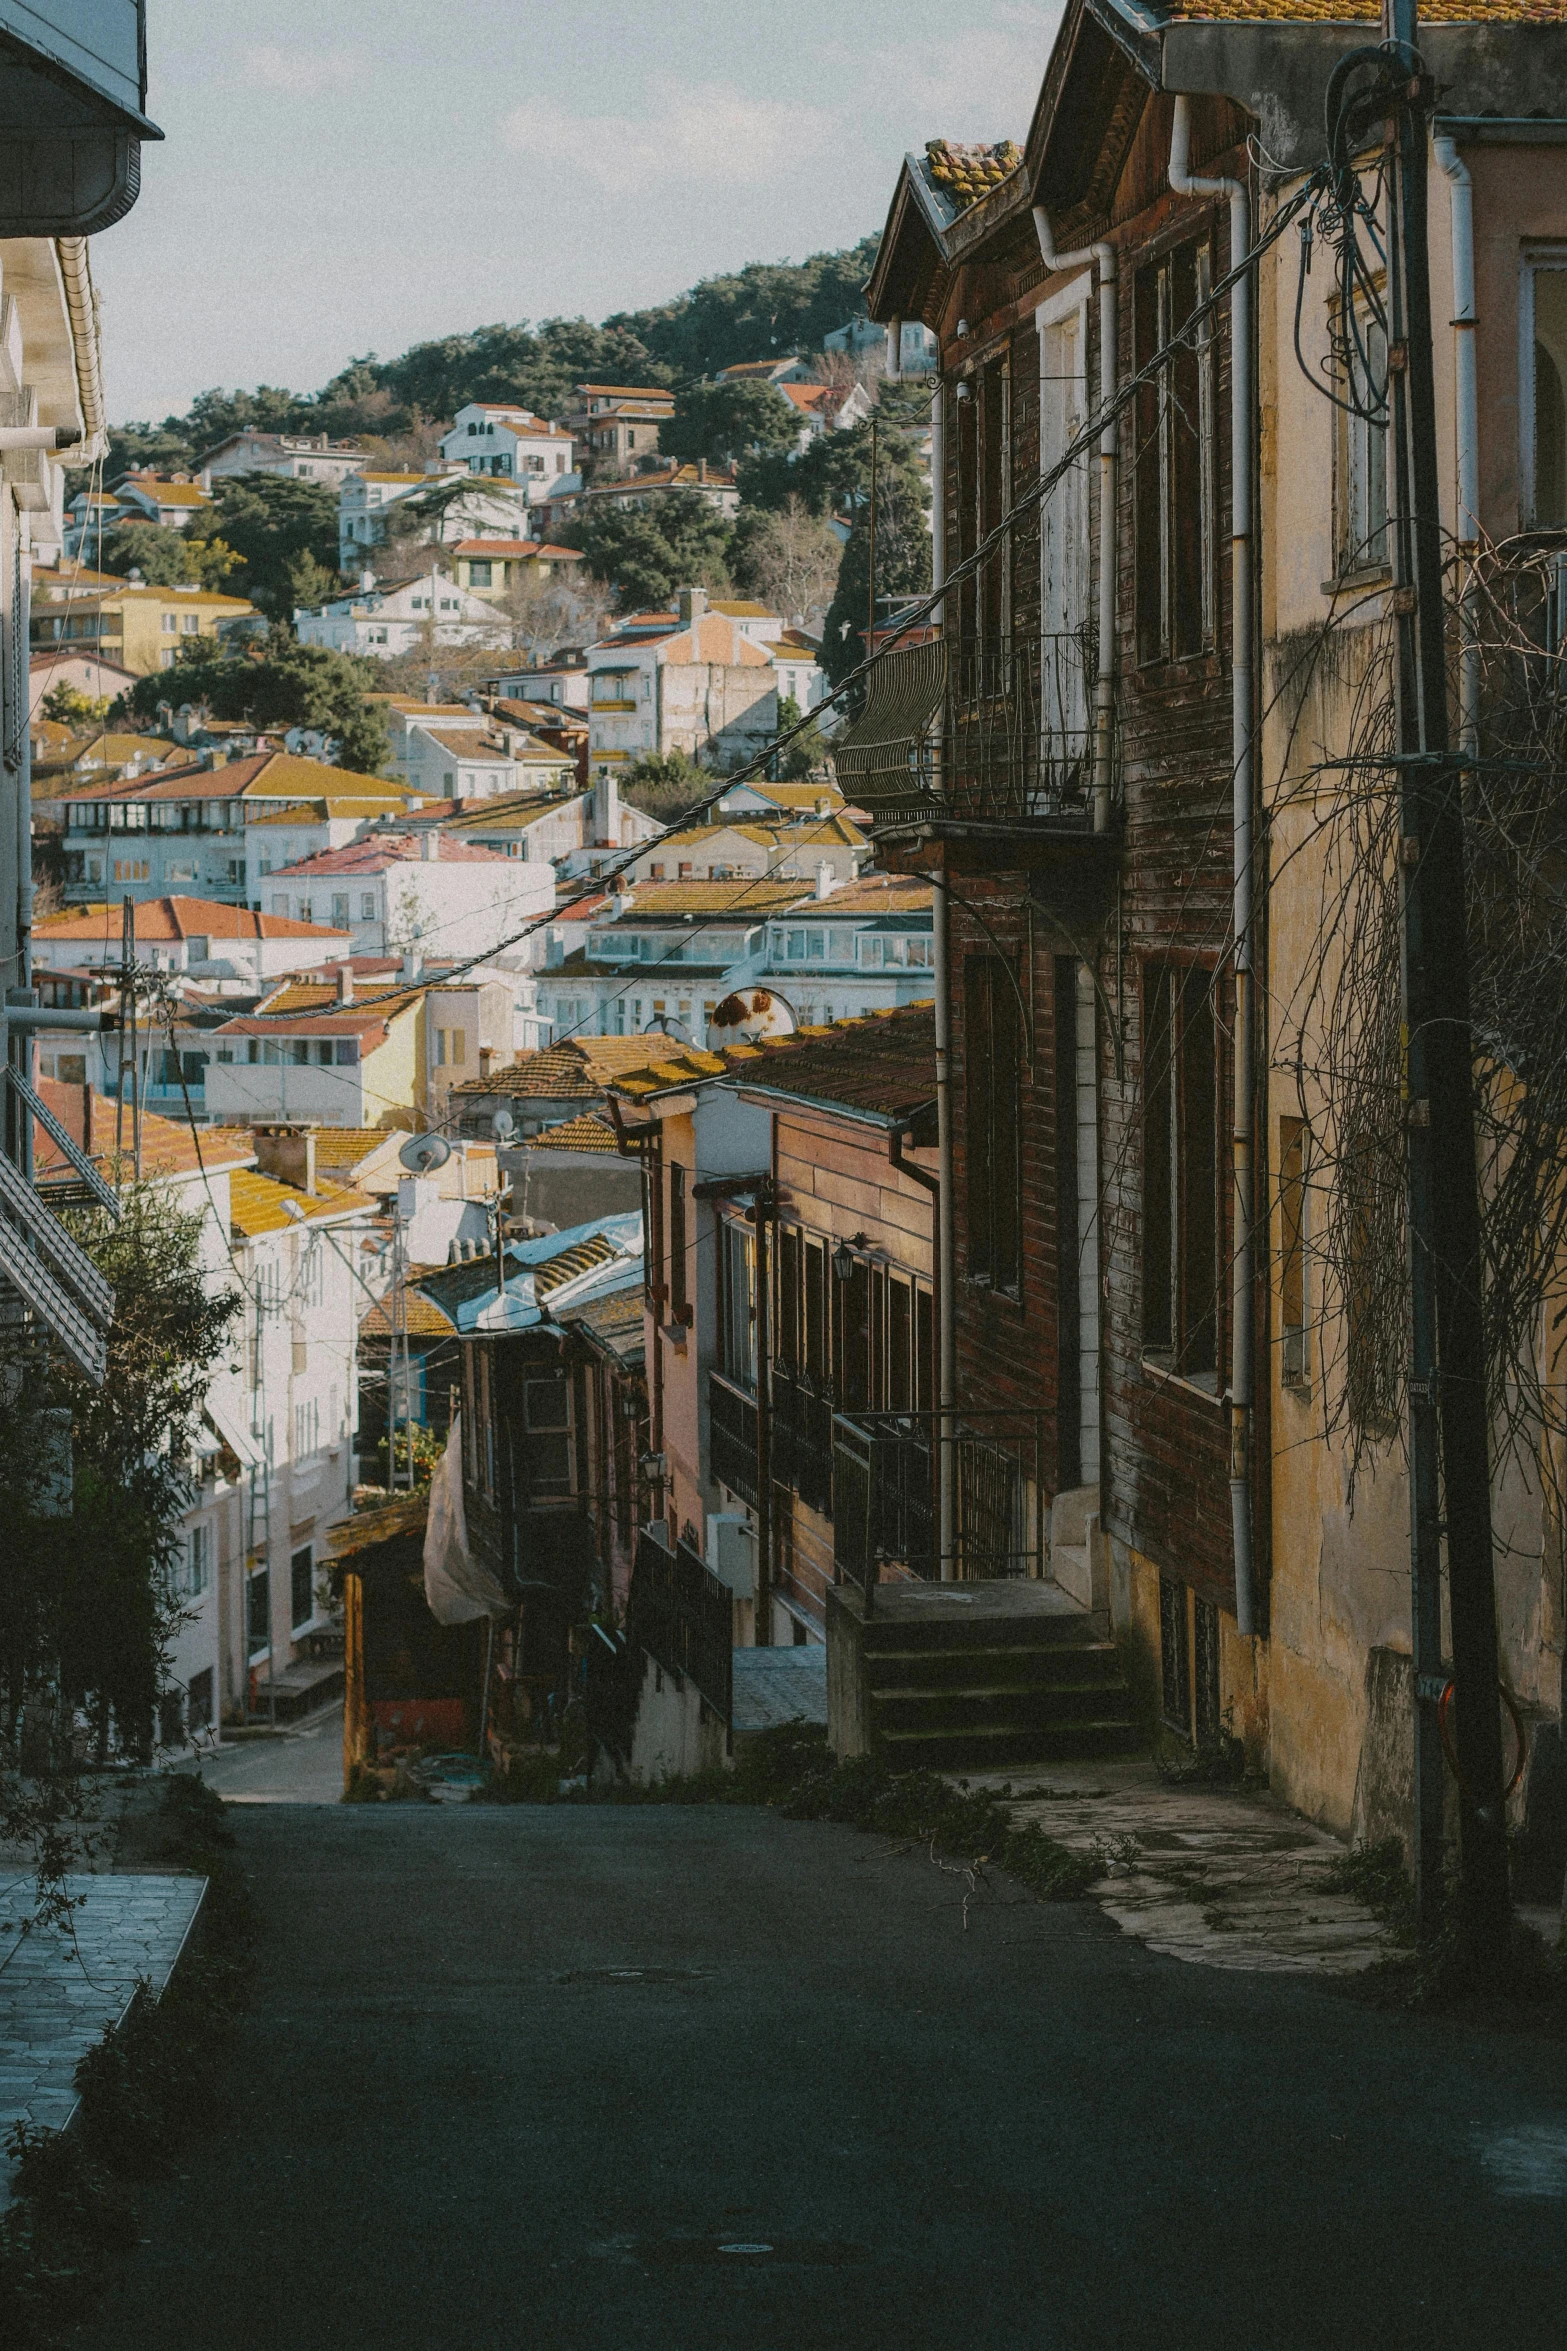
938, 495
946, 1233
1242, 631
1102, 257
1467, 433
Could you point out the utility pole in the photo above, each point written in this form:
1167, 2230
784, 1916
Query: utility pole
1449, 1419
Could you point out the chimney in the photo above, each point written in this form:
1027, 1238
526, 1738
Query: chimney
308, 1172
366, 582
430, 845
345, 983
606, 807
824, 880
690, 604
823, 804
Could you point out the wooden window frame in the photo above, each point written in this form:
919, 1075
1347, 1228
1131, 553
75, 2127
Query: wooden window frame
1183, 1097
993, 1111
1175, 470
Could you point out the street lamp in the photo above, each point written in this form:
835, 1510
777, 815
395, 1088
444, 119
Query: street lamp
844, 1259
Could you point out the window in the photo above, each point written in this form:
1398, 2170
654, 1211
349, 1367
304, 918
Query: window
459, 1047
1362, 453
1292, 1248
737, 1303
1063, 528
258, 1613
367, 906
190, 624
130, 869
171, 624
307, 910
1181, 1246
1543, 384
347, 1052
301, 1588
198, 1565
546, 1407
480, 574
307, 1429
340, 911
992, 1084
440, 1048
198, 1696
1175, 1658
1175, 472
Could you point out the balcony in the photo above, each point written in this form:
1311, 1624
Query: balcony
975, 737
802, 1437
680, 1613
732, 1437
884, 1497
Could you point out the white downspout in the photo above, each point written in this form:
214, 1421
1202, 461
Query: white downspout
1242, 632
1466, 406
1102, 257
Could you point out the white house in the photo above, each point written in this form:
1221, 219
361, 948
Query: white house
797, 659
427, 894
201, 938
395, 617
562, 680
362, 500
308, 457
511, 443
861, 336
690, 681
480, 761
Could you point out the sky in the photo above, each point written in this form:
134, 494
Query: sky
345, 176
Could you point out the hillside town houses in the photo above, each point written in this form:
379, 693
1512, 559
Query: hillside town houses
905, 1084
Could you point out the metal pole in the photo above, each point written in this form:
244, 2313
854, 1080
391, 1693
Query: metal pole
1449, 1434
763, 1611
946, 1253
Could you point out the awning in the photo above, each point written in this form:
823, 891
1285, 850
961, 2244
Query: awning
235, 1435
881, 759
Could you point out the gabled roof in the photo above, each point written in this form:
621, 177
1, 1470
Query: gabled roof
155, 919
267, 775
519, 548
569, 1071
167, 1148
742, 901
377, 852
882, 1066
586, 1132
877, 893
261, 1204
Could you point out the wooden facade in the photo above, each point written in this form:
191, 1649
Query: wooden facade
1098, 1293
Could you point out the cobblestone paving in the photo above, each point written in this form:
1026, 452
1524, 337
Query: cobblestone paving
1222, 1877
59, 1990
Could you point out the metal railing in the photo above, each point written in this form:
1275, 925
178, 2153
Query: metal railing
995, 728
731, 1425
801, 1436
679, 1612
885, 1496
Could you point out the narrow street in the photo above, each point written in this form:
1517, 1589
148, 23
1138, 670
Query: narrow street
707, 2079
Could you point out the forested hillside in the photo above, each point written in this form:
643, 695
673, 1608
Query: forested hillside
763, 308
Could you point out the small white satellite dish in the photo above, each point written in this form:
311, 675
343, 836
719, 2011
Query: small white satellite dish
505, 1126
422, 1154
667, 1025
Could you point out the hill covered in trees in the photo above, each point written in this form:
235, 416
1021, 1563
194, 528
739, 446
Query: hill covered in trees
765, 308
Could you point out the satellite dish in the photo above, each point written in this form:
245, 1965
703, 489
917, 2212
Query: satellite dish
505, 1126
667, 1025
422, 1154
749, 1015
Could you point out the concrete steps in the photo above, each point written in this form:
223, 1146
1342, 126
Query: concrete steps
971, 1676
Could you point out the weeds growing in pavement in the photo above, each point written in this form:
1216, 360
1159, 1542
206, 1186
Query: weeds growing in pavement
792, 1769
146, 2087
1376, 1876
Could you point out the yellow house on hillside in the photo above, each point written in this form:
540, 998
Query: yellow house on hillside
140, 627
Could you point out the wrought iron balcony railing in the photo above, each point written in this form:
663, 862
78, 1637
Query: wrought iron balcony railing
801, 1437
885, 1470
732, 1437
679, 1612
994, 730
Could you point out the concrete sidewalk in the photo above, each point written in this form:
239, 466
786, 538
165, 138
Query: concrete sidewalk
1216, 1875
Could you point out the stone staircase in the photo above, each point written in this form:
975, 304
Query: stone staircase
975, 1676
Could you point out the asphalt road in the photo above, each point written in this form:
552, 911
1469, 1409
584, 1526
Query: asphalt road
707, 2080
301, 1765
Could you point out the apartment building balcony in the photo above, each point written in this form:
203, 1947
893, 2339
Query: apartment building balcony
983, 746
683, 1617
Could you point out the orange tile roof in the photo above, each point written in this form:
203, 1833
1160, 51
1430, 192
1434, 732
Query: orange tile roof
965, 173
881, 1061
563, 1072
518, 547
267, 775
423, 1318
877, 893
743, 901
586, 1132
176, 918
168, 1148
257, 1204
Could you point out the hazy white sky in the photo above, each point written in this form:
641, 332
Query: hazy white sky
342, 176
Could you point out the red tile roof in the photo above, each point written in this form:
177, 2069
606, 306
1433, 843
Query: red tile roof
386, 849
518, 547
177, 918
167, 1148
